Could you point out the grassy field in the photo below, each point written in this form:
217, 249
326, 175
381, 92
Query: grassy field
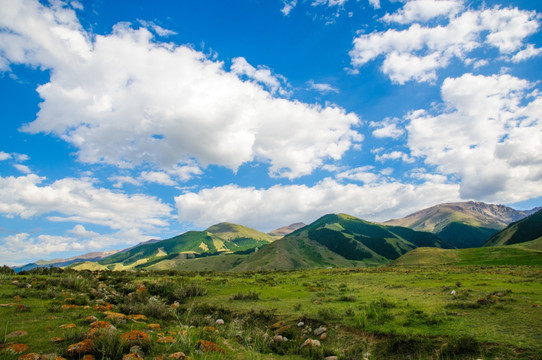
467, 312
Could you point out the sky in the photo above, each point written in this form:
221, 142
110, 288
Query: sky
123, 121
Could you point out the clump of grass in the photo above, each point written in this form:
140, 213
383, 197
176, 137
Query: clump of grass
404, 346
251, 295
328, 314
347, 298
460, 347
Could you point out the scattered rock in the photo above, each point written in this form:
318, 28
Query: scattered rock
153, 326
114, 315
175, 305
14, 348
69, 306
319, 331
103, 307
102, 325
300, 324
8, 305
56, 339
283, 329
89, 357
219, 322
166, 340
277, 325
15, 282
136, 337
136, 349
331, 358
80, 348
177, 355
137, 317
278, 338
67, 326
31, 356
210, 329
453, 292
17, 333
90, 319
323, 337
132, 356
209, 346
311, 343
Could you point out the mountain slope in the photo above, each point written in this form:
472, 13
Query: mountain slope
338, 240
285, 230
244, 237
92, 256
463, 224
527, 229
501, 255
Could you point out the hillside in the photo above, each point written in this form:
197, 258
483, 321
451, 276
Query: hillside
338, 240
502, 255
526, 230
463, 224
244, 237
285, 230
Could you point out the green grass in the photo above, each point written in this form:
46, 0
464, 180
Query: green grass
385, 312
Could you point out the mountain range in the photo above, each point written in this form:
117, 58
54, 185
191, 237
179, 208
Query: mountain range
334, 240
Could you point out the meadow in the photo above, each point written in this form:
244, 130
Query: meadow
393, 312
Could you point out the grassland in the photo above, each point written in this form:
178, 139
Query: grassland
431, 312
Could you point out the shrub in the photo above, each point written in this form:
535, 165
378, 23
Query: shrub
403, 346
251, 295
459, 347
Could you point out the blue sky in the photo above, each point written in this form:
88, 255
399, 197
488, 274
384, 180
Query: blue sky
124, 121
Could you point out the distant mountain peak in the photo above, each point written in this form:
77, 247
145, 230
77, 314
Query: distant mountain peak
285, 230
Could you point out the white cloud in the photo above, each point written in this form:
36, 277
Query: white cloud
267, 209
417, 52
80, 232
328, 2
22, 168
119, 181
160, 31
22, 157
364, 174
527, 53
489, 137
322, 87
78, 200
288, 6
4, 156
262, 75
157, 177
394, 155
126, 99
424, 10
386, 129
375, 4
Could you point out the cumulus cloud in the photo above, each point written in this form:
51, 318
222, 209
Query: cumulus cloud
126, 99
22, 168
394, 155
529, 52
375, 4
4, 156
424, 10
157, 177
262, 75
364, 174
386, 129
489, 136
266, 209
417, 52
288, 6
322, 87
78, 200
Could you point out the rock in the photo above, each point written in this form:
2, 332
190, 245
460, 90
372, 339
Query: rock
283, 329
136, 337
31, 356
177, 355
69, 306
209, 346
219, 322
103, 307
323, 337
210, 329
114, 315
89, 357
56, 339
137, 317
67, 326
278, 338
331, 358
15, 348
136, 349
277, 325
17, 298
90, 319
15, 282
175, 305
132, 356
153, 326
319, 331
166, 340
300, 324
453, 292
80, 348
102, 325
17, 333
311, 343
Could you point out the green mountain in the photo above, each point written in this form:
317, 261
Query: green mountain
244, 237
528, 229
463, 224
339, 240
499, 255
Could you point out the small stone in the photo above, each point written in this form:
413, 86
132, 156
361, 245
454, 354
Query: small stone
311, 343
323, 337
136, 349
219, 322
319, 331
80, 348
209, 346
114, 315
277, 338
175, 305
166, 340
56, 339
137, 317
67, 326
331, 358
17, 333
90, 319
153, 326
31, 356
277, 325
453, 292
17, 298
89, 357
283, 329
300, 324
15, 348
132, 357
177, 355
